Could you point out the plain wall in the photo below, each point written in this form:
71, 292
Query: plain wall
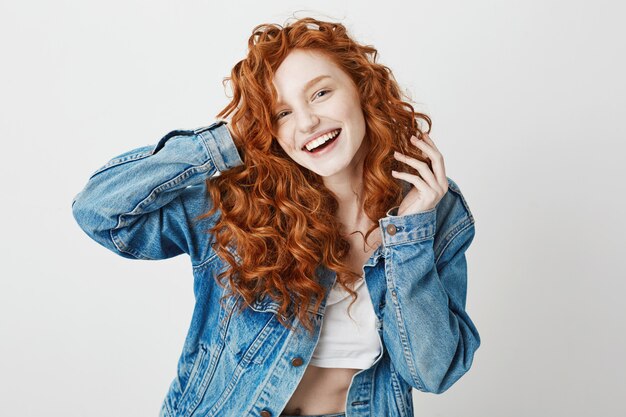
526, 98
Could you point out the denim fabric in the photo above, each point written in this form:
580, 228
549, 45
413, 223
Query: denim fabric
140, 205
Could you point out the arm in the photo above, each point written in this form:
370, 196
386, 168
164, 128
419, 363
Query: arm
142, 203
430, 337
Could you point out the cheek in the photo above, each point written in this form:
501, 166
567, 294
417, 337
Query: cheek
358, 120
351, 109
283, 138
286, 145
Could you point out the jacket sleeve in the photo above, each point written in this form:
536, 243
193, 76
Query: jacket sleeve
430, 337
142, 203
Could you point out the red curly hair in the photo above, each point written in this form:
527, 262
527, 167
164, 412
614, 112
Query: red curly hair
278, 217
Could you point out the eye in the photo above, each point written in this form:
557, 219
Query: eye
320, 92
280, 115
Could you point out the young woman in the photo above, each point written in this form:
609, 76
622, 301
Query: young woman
328, 254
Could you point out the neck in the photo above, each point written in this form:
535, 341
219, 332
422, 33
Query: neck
348, 189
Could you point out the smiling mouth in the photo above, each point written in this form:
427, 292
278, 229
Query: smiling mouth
322, 145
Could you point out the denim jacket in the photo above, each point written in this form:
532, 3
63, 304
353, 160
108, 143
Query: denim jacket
140, 205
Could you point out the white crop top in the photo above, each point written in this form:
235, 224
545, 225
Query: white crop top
348, 341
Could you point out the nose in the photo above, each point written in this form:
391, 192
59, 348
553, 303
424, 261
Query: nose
307, 120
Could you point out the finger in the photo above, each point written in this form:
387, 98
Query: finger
436, 159
426, 138
427, 146
417, 182
420, 166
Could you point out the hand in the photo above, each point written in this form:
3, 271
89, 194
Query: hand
429, 186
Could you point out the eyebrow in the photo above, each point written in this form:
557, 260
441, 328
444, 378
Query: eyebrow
310, 83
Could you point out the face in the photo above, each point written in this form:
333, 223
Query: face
318, 102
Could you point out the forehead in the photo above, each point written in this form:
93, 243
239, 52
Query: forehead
300, 68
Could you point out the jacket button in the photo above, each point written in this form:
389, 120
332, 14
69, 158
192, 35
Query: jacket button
297, 361
391, 229
266, 413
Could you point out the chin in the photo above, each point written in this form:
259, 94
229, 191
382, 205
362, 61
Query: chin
329, 172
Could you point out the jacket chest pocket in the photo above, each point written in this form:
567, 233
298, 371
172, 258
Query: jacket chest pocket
251, 335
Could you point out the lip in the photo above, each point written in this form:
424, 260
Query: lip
317, 135
327, 149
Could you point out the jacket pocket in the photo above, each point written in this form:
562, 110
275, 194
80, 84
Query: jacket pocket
250, 335
194, 387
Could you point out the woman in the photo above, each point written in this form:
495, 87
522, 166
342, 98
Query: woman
328, 255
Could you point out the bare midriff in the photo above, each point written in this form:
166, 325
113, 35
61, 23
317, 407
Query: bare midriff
321, 391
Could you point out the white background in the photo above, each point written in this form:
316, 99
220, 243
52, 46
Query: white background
527, 99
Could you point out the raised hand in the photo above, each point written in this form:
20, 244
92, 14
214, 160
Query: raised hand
429, 186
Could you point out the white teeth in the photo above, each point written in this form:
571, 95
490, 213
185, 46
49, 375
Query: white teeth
321, 140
